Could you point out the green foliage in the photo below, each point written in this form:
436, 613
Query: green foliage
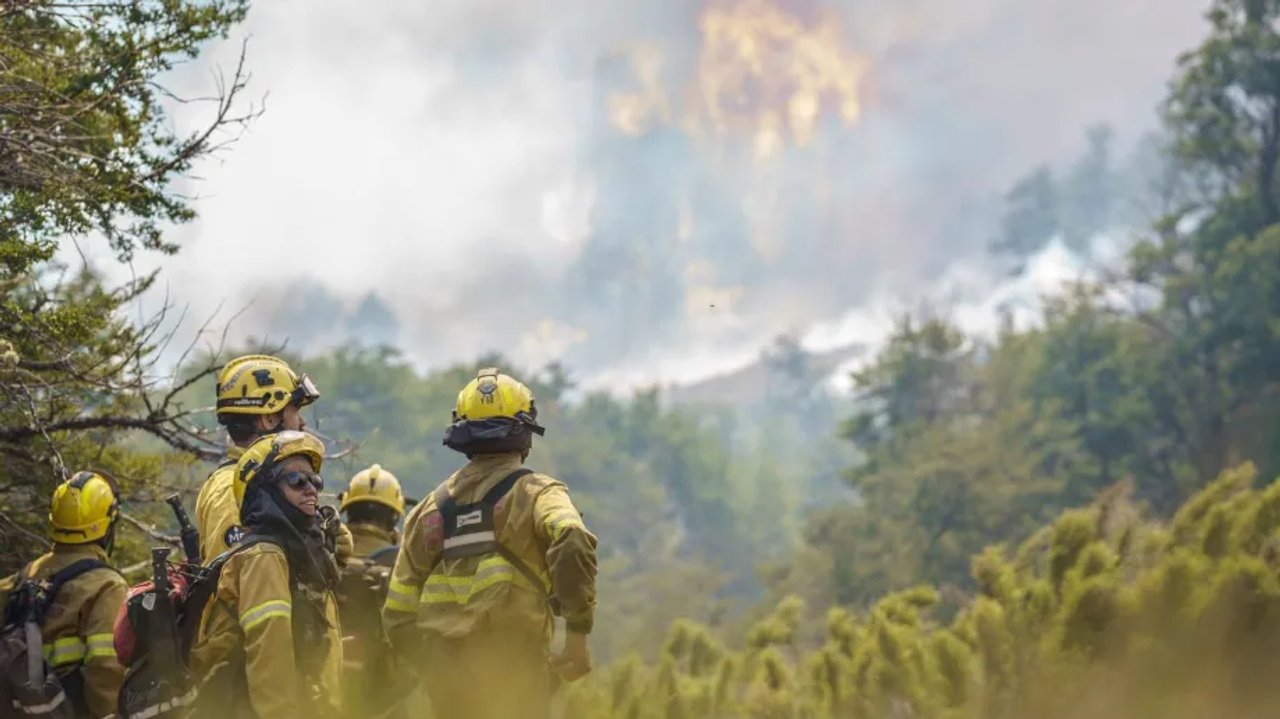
87, 151
1166, 632
1097, 193
1223, 108
87, 147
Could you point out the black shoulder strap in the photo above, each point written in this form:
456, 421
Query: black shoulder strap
484, 530
50, 585
495, 495
381, 556
73, 570
444, 501
204, 588
534, 580
12, 604
449, 508
249, 541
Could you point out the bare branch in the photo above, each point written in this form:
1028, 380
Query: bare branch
41, 541
199, 144
149, 530
138, 569
348, 448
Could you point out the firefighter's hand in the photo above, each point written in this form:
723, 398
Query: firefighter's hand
574, 661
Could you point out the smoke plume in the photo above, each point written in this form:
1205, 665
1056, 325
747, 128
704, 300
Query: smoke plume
641, 189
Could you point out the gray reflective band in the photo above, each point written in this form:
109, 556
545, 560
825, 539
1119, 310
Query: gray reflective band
465, 540
45, 708
156, 710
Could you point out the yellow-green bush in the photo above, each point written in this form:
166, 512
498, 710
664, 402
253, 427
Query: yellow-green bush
1099, 616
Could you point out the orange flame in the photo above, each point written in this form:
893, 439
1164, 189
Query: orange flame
762, 72
635, 112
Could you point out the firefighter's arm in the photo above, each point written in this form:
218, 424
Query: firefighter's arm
201, 514
571, 556
413, 563
214, 542
102, 673
216, 515
204, 517
265, 612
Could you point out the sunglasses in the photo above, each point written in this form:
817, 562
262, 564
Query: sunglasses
298, 480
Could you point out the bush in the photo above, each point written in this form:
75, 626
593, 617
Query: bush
1157, 621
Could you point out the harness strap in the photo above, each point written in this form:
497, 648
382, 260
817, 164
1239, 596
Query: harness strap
495, 495
380, 556
470, 530
45, 591
73, 570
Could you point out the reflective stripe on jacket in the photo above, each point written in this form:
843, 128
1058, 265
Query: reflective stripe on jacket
77, 631
249, 623
536, 521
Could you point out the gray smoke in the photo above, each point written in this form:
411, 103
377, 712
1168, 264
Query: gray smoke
462, 163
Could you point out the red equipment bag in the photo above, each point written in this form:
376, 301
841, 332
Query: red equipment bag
129, 632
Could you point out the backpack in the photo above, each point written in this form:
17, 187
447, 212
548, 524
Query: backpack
470, 530
29, 688
155, 631
362, 591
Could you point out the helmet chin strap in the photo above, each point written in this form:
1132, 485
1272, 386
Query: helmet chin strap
109, 541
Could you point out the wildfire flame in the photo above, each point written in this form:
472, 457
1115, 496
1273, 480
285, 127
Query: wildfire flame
635, 112
762, 72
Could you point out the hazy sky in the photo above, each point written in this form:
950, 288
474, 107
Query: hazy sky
646, 188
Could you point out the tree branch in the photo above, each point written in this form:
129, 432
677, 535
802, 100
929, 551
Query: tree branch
149, 530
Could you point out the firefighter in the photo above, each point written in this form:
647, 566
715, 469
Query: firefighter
486, 561
257, 395
77, 628
269, 644
373, 504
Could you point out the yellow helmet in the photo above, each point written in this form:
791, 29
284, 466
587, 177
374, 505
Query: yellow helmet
84, 508
260, 384
263, 455
494, 413
374, 484
493, 394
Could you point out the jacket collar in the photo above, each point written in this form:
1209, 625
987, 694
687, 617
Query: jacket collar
372, 530
88, 550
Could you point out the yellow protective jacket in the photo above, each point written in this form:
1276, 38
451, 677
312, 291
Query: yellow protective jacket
369, 538
430, 598
77, 631
244, 656
217, 511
